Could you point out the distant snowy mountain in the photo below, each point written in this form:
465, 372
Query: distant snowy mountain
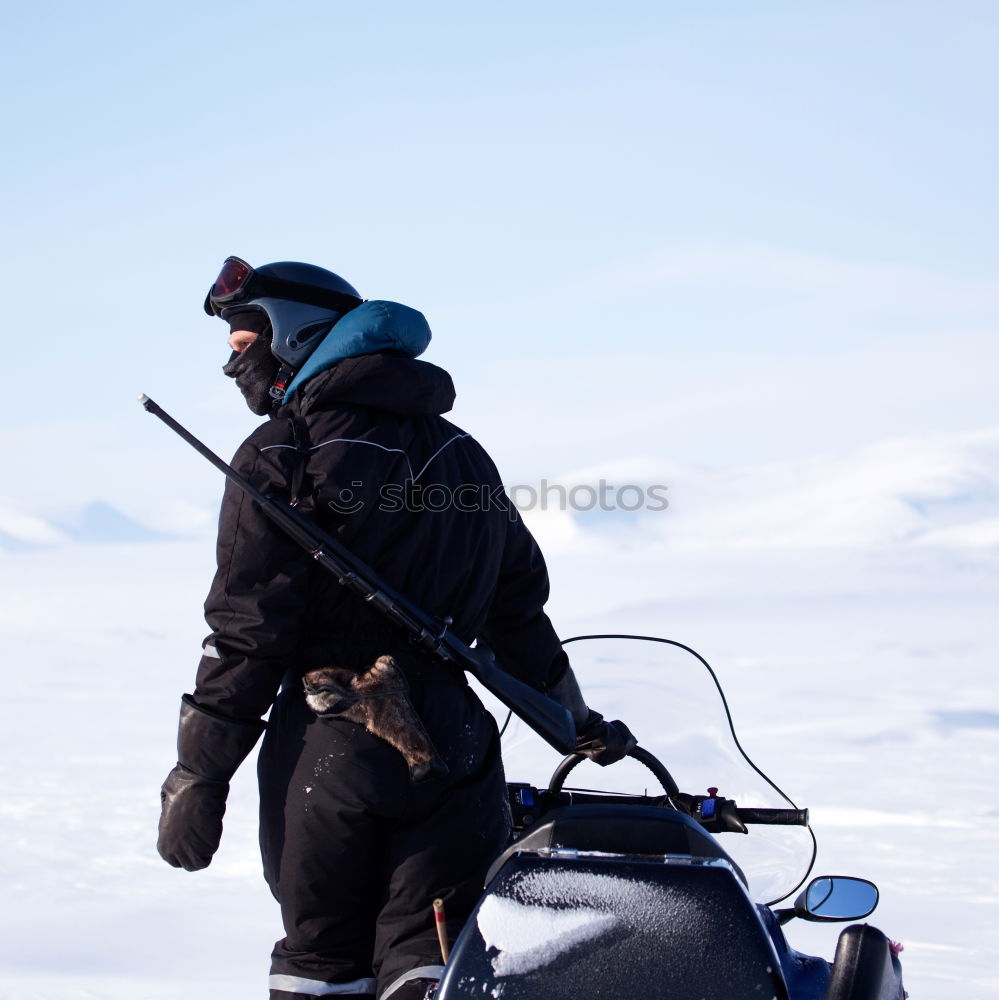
928, 490
100, 522
940, 489
96, 522
907, 490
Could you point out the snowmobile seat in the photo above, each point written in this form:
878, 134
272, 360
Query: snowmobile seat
618, 829
864, 967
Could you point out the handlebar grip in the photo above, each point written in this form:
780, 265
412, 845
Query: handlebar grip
774, 817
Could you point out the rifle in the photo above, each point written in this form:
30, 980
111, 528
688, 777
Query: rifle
546, 717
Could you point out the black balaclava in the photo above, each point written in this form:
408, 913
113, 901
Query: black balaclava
256, 369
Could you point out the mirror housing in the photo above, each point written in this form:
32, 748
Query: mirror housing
836, 897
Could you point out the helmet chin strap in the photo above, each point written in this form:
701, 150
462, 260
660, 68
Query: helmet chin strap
281, 382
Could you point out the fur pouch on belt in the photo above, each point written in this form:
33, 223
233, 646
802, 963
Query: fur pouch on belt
377, 699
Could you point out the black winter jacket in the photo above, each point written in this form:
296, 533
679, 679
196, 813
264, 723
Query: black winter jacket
364, 450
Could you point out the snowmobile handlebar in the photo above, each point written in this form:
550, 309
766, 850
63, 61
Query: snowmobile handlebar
773, 817
528, 804
694, 804
712, 811
653, 763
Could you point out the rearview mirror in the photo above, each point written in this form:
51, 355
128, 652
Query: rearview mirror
837, 897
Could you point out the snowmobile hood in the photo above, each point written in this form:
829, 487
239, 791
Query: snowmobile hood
371, 327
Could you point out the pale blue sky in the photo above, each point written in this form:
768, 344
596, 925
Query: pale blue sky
715, 232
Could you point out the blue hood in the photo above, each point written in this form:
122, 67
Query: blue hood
371, 327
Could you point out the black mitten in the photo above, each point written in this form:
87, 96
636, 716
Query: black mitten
209, 749
604, 742
191, 819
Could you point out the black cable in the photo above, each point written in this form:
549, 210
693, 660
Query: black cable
509, 716
731, 726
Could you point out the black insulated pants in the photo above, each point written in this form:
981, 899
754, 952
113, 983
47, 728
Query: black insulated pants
355, 853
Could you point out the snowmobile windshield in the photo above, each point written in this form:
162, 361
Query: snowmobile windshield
670, 699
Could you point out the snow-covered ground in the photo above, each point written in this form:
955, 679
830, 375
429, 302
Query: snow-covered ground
848, 604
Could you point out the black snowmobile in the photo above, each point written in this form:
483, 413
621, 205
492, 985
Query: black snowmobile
617, 896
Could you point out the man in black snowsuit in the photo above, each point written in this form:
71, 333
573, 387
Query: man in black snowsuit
381, 785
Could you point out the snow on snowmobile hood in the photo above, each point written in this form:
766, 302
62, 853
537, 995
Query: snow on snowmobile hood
373, 326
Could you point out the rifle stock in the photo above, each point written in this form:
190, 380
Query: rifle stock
550, 720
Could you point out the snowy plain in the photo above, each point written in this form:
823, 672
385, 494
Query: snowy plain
848, 604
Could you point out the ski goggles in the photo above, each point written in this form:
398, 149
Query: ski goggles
239, 282
231, 285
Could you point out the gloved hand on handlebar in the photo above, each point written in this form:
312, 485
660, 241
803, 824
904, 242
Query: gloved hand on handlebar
603, 742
